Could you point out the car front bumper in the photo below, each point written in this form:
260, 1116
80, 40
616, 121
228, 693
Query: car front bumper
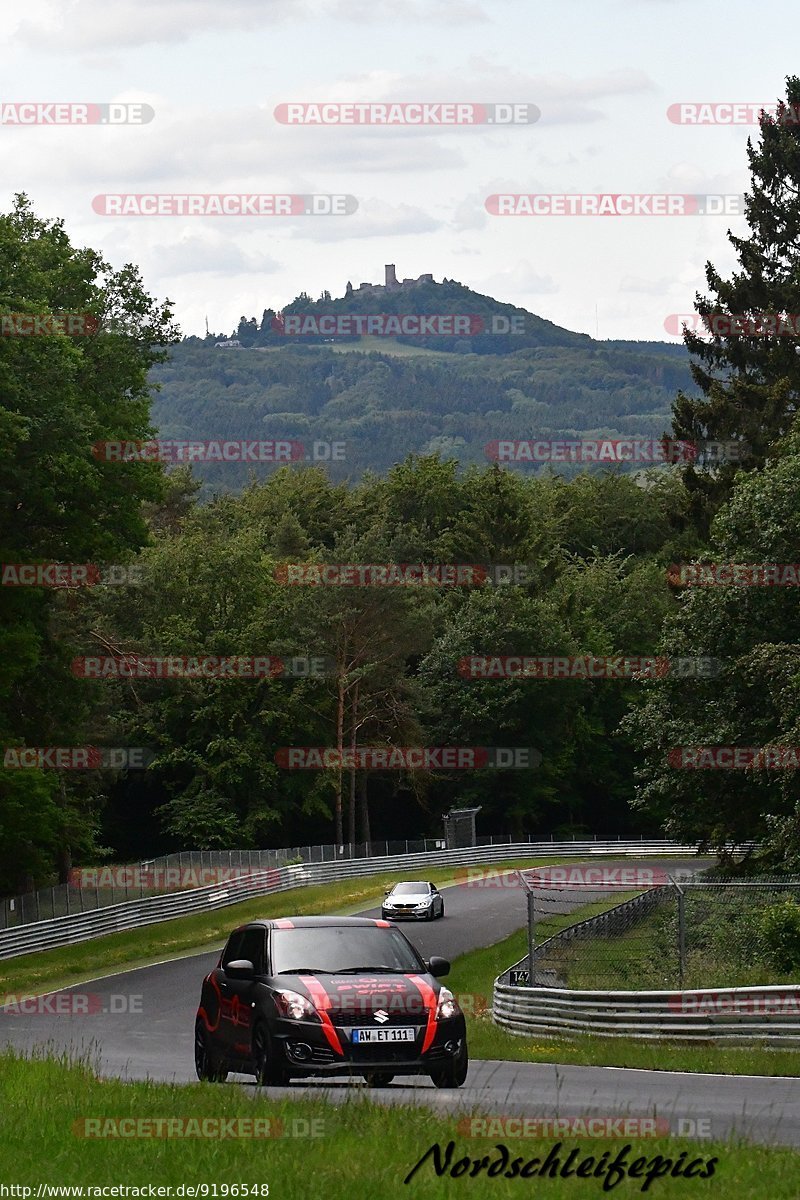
391, 915
305, 1049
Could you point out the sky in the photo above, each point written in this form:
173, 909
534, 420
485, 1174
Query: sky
602, 75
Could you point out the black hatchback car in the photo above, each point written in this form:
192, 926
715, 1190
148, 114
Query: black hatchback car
304, 996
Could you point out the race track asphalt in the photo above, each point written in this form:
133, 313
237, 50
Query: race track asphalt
140, 1025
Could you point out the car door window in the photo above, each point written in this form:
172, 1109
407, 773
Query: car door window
252, 948
232, 949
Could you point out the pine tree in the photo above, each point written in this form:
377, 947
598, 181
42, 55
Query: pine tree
749, 381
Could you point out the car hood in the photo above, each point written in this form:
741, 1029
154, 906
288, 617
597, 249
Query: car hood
414, 898
348, 998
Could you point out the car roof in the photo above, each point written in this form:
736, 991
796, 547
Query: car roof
423, 883
311, 923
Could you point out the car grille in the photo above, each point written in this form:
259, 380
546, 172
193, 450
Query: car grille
321, 1054
384, 1052
437, 1052
346, 1020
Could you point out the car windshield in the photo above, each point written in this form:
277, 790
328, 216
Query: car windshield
410, 889
334, 948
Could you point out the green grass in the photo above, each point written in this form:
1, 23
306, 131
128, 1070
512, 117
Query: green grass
368, 344
474, 974
363, 1150
52, 969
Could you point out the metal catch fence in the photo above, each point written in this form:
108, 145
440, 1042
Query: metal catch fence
679, 932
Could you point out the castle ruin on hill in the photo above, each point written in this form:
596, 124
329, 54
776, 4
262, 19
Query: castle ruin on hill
391, 284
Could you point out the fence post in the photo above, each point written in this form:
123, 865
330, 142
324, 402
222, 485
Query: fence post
681, 937
531, 935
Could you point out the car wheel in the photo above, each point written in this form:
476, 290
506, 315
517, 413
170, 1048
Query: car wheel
430, 914
378, 1078
453, 1073
208, 1066
268, 1073
441, 911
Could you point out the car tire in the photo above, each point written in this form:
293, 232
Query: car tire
378, 1078
268, 1073
441, 914
209, 1067
453, 1073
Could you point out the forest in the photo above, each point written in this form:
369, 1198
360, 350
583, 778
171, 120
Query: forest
369, 593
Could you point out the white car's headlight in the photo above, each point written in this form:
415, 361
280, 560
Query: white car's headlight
424, 903
294, 1006
447, 1006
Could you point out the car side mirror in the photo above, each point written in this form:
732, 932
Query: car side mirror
438, 967
386, 891
240, 968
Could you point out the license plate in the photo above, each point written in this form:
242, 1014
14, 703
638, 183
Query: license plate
362, 1036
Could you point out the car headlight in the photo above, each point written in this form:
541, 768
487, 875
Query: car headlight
424, 904
447, 1006
294, 1006
388, 904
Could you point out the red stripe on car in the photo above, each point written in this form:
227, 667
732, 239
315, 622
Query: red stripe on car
201, 1012
429, 1000
322, 1003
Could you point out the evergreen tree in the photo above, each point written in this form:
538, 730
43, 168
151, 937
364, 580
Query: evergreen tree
749, 381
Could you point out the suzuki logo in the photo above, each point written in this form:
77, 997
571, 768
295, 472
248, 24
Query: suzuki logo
381, 1015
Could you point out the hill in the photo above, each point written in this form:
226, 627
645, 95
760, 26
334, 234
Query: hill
386, 397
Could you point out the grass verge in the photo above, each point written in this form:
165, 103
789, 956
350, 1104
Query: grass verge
360, 1147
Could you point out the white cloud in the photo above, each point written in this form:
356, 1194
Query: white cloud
518, 281
93, 24
193, 255
89, 25
375, 218
649, 287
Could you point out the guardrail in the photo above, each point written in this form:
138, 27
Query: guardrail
133, 914
768, 1015
159, 876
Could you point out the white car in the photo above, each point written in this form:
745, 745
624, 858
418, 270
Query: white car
413, 900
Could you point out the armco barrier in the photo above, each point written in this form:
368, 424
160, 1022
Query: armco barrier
769, 1015
136, 881
133, 914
